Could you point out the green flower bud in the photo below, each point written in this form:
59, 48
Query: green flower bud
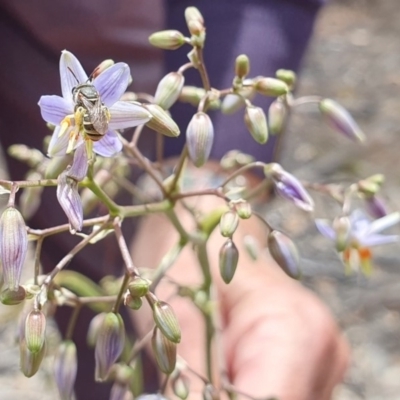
161, 121
169, 89
139, 287
378, 179
167, 40
340, 120
256, 123
134, 303
31, 157
228, 223
181, 386
242, 66
166, 321
367, 187
30, 362
13, 297
199, 138
228, 260
35, 331
109, 344
271, 87
102, 67
287, 76
192, 95
342, 228
13, 246
277, 115
193, 14
284, 252
164, 351
65, 369
242, 207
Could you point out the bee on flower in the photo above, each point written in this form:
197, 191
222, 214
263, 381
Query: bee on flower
356, 234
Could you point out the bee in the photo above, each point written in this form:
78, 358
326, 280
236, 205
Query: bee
89, 111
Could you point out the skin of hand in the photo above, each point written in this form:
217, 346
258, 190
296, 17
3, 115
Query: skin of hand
279, 338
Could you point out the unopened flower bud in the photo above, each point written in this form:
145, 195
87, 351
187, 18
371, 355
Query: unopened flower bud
376, 207
271, 87
378, 179
284, 252
13, 246
109, 345
199, 138
342, 227
65, 369
228, 260
251, 246
242, 207
340, 119
30, 362
161, 121
166, 320
168, 40
93, 330
192, 95
193, 14
286, 75
367, 187
164, 351
32, 157
256, 123
277, 115
289, 187
228, 223
13, 297
242, 66
181, 386
70, 201
102, 67
139, 287
134, 303
168, 89
35, 330
234, 102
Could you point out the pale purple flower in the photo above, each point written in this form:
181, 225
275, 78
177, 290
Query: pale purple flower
110, 84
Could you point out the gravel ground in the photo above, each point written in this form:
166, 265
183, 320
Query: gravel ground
354, 59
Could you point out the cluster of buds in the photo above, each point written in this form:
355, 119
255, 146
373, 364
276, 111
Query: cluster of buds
137, 288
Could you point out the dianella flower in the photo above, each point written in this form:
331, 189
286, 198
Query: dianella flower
66, 368
361, 236
100, 100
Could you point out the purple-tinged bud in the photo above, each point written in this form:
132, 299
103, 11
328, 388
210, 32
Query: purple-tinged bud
376, 207
29, 201
139, 287
134, 303
242, 207
256, 123
284, 252
181, 386
210, 392
35, 331
93, 330
70, 201
200, 138
13, 297
65, 369
164, 351
242, 66
271, 87
30, 362
289, 187
13, 246
251, 246
228, 223
109, 345
168, 40
340, 120
166, 321
169, 89
277, 115
161, 121
228, 260
102, 67
342, 228
286, 75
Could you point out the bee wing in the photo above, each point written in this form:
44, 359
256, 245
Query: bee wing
97, 114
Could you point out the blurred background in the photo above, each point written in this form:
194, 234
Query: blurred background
353, 58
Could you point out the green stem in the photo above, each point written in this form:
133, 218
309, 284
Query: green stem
177, 224
143, 209
120, 295
179, 168
24, 184
202, 69
38, 252
72, 322
113, 207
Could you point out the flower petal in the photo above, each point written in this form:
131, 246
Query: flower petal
325, 229
375, 240
58, 144
112, 83
109, 145
383, 223
79, 166
54, 109
127, 115
68, 63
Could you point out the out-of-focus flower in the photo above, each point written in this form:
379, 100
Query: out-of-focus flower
363, 234
66, 368
110, 85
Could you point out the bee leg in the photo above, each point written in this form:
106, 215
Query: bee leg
89, 151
